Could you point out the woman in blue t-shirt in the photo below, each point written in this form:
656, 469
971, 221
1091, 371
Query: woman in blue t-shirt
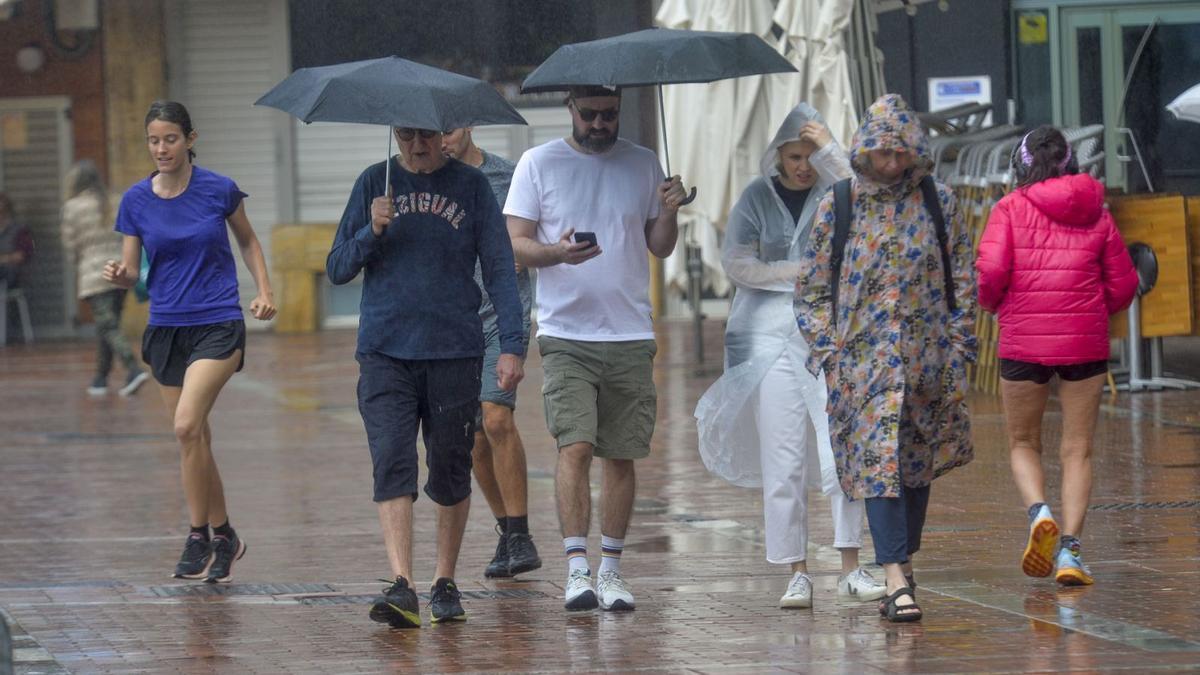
196, 338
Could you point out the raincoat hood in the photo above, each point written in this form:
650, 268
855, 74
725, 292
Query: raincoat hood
1072, 200
789, 131
890, 125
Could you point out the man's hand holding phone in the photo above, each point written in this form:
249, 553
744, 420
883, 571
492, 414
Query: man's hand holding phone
576, 247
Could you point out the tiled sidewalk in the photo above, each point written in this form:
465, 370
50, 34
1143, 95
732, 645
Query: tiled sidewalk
92, 519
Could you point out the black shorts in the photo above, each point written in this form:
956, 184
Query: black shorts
169, 350
1022, 371
396, 397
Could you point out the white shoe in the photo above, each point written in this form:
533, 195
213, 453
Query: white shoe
798, 594
134, 384
579, 593
614, 594
860, 585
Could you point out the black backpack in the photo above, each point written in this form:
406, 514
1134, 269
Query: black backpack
842, 205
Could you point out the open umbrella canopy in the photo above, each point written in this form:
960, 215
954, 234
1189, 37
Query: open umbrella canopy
391, 91
656, 56
1186, 106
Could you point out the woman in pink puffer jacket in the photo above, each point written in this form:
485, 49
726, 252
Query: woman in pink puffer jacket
1052, 267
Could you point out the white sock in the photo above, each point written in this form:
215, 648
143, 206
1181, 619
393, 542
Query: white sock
610, 554
576, 549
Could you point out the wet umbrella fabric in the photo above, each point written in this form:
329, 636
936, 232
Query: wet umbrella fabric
657, 56
1186, 106
391, 91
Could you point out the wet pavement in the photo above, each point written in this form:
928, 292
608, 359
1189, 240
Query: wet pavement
92, 520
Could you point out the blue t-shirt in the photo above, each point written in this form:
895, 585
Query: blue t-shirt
193, 278
419, 298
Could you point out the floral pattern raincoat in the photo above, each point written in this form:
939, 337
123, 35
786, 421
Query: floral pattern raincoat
895, 359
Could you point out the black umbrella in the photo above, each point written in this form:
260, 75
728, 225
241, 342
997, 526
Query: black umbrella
657, 56
391, 91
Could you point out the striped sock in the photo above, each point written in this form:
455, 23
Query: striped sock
610, 553
576, 549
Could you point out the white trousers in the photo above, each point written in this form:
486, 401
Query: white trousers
787, 447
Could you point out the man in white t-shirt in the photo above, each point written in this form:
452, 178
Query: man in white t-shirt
584, 210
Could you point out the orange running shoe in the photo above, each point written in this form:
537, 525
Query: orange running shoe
1038, 560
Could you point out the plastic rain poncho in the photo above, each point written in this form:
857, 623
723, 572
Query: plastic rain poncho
761, 254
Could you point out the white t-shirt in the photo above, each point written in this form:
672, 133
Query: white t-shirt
607, 298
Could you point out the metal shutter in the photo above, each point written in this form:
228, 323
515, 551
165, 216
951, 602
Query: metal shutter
32, 177
330, 156
224, 55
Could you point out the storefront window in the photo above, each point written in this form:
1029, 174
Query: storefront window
1164, 69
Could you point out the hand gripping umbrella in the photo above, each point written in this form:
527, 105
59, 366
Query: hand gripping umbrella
391, 91
655, 57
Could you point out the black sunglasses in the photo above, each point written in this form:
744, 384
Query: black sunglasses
589, 115
408, 133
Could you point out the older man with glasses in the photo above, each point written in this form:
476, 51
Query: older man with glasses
585, 210
420, 345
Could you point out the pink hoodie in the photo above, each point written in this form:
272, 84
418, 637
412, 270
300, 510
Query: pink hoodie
1052, 267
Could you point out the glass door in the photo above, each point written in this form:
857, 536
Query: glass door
1120, 68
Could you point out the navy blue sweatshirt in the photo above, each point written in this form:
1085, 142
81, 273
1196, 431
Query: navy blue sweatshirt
419, 299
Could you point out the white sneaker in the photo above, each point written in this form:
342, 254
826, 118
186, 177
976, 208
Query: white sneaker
134, 383
614, 594
579, 593
798, 594
860, 585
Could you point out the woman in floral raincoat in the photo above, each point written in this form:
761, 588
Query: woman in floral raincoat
895, 357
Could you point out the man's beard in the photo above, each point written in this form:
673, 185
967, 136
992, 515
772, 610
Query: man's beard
594, 143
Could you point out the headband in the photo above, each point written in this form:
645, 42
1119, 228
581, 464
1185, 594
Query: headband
1027, 159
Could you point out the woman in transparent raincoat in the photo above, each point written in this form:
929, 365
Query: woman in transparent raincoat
763, 422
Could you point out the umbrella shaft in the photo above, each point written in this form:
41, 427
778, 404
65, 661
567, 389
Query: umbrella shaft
662, 116
387, 173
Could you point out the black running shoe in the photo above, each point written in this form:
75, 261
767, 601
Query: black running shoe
499, 566
397, 606
522, 554
196, 559
445, 602
225, 551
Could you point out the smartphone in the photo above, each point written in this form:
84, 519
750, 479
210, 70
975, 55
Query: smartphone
589, 237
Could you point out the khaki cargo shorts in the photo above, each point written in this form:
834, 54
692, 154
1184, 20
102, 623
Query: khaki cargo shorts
600, 393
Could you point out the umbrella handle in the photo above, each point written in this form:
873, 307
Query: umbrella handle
662, 117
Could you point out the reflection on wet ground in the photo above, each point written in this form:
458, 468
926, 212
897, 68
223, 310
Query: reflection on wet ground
93, 518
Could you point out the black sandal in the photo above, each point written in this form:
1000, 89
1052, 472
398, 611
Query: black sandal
901, 613
912, 584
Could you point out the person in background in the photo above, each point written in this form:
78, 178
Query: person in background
16, 244
1053, 268
89, 239
498, 458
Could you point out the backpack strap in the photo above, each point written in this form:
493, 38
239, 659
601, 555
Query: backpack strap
934, 205
843, 205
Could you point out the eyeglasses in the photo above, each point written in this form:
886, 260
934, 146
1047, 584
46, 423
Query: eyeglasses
408, 133
589, 115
